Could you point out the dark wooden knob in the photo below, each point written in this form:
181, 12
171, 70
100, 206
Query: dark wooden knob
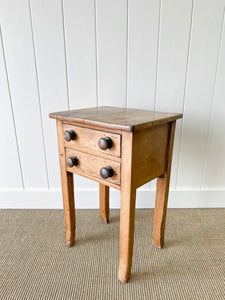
105, 143
72, 161
106, 172
69, 135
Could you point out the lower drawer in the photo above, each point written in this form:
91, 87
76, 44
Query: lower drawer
86, 164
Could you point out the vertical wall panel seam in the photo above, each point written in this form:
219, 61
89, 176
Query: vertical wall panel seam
127, 41
157, 58
38, 91
185, 89
213, 98
12, 111
65, 54
156, 68
96, 53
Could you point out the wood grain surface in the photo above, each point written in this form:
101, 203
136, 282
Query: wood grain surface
90, 165
87, 139
116, 118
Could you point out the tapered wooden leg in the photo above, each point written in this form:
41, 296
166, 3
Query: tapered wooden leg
127, 217
69, 208
127, 208
104, 202
67, 191
162, 191
160, 211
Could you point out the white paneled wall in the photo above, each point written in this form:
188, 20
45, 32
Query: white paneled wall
166, 55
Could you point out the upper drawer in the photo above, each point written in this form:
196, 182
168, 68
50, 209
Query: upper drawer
85, 138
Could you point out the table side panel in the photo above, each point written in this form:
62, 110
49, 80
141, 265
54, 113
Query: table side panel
150, 152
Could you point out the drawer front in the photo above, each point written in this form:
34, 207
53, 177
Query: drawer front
91, 165
88, 139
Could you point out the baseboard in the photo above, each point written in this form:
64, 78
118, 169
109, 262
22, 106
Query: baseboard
88, 199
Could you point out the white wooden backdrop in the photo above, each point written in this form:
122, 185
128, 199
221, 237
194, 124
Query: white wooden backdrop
166, 55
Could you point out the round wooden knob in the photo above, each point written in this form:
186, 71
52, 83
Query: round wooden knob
105, 143
72, 161
69, 135
106, 172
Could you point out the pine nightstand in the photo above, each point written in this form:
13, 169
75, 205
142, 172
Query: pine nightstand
120, 148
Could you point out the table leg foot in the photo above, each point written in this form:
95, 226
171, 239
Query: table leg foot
123, 274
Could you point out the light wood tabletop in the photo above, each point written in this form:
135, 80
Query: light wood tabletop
128, 119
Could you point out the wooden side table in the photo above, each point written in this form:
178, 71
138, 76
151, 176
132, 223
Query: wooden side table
120, 148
